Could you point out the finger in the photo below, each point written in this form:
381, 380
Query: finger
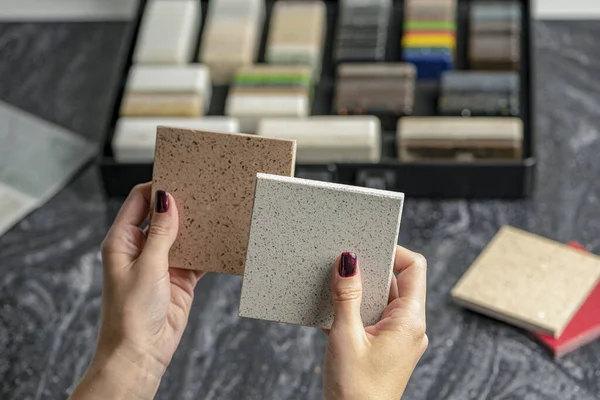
135, 208
412, 275
162, 231
185, 279
393, 289
122, 243
346, 292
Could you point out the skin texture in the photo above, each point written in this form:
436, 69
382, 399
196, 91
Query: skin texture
146, 305
376, 362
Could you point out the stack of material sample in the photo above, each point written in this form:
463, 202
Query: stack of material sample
429, 39
495, 35
383, 89
231, 37
168, 32
545, 287
297, 34
266, 90
459, 139
163, 86
362, 30
328, 139
479, 93
167, 91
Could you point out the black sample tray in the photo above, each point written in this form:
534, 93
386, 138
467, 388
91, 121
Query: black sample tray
443, 179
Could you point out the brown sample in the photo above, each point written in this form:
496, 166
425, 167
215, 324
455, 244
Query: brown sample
212, 177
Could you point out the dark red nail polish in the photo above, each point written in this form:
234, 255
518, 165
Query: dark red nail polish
347, 265
162, 202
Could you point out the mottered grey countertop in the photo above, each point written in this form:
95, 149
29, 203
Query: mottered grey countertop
50, 269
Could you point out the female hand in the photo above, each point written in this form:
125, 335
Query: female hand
375, 362
145, 303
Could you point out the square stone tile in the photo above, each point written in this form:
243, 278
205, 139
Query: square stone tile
211, 176
299, 228
528, 281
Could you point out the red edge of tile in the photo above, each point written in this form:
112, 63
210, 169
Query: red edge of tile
582, 329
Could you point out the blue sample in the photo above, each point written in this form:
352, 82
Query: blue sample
430, 62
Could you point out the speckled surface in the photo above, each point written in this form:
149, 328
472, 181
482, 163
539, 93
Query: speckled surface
299, 228
529, 280
51, 274
211, 176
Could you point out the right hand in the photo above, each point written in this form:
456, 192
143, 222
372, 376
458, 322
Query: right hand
375, 362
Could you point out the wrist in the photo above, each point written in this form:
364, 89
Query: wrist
121, 373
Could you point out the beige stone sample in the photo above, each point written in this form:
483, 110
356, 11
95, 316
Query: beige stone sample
528, 281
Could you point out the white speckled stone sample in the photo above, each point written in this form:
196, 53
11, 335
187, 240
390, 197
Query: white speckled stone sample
169, 32
212, 177
299, 228
528, 281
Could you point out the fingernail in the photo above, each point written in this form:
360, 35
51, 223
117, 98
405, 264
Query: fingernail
161, 204
347, 265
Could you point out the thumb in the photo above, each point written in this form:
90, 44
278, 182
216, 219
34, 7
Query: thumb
346, 293
162, 231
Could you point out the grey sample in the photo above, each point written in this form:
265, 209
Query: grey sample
468, 81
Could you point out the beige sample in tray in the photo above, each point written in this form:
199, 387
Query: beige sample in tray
212, 176
459, 138
528, 281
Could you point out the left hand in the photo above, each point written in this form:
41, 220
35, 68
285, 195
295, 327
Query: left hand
145, 303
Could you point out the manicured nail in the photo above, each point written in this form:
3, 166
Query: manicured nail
162, 202
347, 265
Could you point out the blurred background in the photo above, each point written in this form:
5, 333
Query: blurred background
63, 65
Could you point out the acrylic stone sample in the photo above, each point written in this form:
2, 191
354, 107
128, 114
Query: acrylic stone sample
231, 37
297, 34
328, 139
528, 281
479, 93
582, 329
167, 91
212, 176
135, 138
458, 138
264, 90
375, 88
362, 30
495, 35
168, 32
299, 228
429, 37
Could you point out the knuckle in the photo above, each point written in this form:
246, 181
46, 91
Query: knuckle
347, 293
106, 247
418, 328
158, 230
137, 188
420, 260
424, 344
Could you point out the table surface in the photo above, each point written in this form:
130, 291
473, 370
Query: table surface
50, 269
